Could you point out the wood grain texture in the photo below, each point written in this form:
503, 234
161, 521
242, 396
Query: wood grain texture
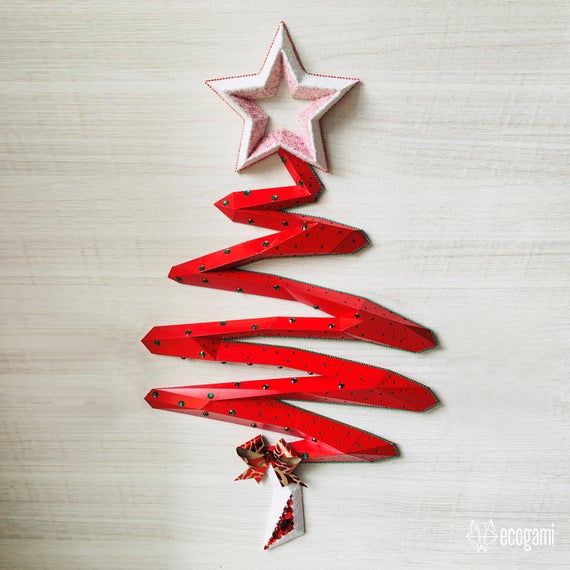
452, 155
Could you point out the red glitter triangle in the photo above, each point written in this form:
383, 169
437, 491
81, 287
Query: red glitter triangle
285, 524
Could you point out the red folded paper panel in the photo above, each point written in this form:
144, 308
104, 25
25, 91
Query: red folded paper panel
331, 379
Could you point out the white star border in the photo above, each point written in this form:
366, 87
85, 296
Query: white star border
281, 62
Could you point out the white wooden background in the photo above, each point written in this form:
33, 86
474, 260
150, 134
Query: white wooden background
451, 155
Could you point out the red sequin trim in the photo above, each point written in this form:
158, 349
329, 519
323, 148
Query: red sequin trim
284, 525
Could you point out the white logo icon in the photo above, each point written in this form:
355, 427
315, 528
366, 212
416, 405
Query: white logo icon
482, 536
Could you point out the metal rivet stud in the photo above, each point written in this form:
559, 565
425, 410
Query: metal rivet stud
232, 412
331, 325
205, 413
265, 243
315, 306
205, 280
292, 320
305, 456
154, 394
236, 384
239, 290
225, 202
286, 429
202, 267
285, 223
293, 380
226, 251
210, 395
253, 425
265, 387
246, 193
223, 323
275, 197
314, 439
341, 385
304, 227
250, 221
157, 342
179, 279
181, 404
356, 315
254, 327
202, 354
276, 287
188, 332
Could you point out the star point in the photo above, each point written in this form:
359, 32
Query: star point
320, 91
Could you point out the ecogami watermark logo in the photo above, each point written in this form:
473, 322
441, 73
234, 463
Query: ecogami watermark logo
483, 535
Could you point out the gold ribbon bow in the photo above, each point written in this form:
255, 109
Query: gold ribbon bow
258, 457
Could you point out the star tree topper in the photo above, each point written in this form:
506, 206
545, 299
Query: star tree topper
321, 92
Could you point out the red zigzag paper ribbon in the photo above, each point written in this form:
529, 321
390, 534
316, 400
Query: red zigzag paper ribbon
258, 403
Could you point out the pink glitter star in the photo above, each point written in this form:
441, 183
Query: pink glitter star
241, 92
